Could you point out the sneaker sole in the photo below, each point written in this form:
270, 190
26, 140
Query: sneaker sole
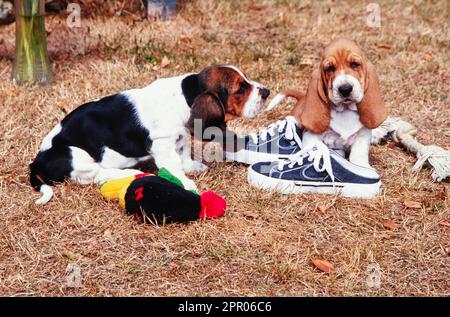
297, 187
250, 157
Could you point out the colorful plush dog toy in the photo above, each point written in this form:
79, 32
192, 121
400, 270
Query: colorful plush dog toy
162, 199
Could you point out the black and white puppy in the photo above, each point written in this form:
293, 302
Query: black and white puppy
105, 138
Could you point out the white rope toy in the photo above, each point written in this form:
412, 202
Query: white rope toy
404, 133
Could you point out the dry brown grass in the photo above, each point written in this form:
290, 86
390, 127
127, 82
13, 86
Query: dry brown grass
264, 244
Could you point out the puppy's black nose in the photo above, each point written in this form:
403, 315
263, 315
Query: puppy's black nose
264, 93
345, 90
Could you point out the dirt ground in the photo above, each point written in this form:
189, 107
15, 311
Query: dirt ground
265, 243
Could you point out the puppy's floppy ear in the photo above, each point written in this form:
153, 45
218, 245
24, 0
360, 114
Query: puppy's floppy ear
315, 116
371, 109
209, 109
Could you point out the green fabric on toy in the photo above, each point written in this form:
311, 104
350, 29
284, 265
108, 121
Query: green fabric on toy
167, 175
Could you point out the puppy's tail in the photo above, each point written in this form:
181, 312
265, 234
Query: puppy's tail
287, 93
39, 184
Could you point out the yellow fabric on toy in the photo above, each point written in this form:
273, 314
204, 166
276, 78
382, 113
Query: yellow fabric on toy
122, 194
116, 189
111, 189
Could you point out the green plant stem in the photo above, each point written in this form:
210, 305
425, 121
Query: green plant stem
31, 43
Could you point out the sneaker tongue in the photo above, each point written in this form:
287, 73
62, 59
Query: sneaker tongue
339, 152
269, 130
299, 130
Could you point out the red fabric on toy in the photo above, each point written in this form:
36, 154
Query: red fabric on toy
213, 206
142, 175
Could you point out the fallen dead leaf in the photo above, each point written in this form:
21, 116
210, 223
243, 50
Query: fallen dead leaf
165, 62
250, 214
6, 177
64, 106
322, 208
389, 224
13, 92
412, 204
428, 57
323, 265
185, 38
63, 57
441, 195
256, 7
447, 250
71, 256
445, 223
391, 144
384, 45
107, 233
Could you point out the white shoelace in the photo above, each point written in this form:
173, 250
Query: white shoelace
291, 130
314, 154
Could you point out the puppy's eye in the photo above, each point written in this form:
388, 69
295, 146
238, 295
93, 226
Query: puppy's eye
242, 88
330, 69
354, 65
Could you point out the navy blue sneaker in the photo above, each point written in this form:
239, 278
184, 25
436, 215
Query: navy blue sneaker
316, 170
280, 140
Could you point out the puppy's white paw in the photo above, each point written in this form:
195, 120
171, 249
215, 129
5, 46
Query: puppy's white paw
379, 136
194, 167
189, 185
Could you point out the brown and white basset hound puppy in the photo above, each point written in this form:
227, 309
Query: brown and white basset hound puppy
105, 138
342, 103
